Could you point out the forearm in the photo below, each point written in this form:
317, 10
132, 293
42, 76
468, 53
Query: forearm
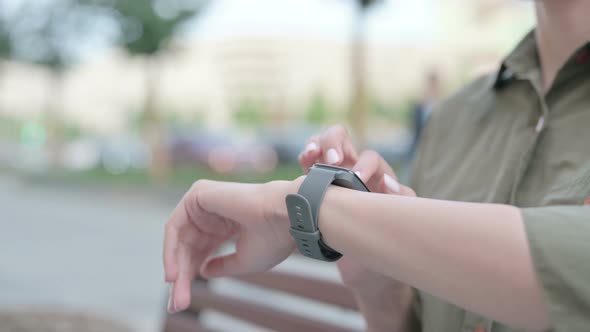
390, 310
475, 256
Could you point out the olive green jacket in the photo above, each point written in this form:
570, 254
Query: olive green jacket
502, 140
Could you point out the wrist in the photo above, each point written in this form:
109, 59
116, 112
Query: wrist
277, 209
383, 296
331, 214
389, 311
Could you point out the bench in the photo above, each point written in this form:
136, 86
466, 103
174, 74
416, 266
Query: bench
265, 314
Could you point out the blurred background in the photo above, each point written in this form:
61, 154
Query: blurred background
110, 109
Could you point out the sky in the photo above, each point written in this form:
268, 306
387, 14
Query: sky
391, 20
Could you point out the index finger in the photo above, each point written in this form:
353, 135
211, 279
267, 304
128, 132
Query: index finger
169, 254
337, 148
311, 153
179, 216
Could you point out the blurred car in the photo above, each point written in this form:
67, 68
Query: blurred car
119, 154
222, 153
32, 159
9, 153
288, 143
81, 154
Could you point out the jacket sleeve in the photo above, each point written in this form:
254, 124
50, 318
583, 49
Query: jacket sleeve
559, 240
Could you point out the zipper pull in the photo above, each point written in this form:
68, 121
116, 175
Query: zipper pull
540, 124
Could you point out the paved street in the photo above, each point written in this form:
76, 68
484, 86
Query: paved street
97, 251
82, 250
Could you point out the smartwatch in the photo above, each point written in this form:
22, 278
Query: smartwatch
303, 208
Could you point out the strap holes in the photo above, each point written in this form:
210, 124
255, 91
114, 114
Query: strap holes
300, 226
305, 245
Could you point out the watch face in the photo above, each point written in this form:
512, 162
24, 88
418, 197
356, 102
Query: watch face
345, 178
330, 167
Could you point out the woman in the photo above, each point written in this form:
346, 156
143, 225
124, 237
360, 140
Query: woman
497, 241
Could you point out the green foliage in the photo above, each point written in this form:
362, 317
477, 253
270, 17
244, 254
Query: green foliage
249, 114
5, 44
198, 118
143, 30
9, 127
176, 119
399, 112
179, 179
366, 3
134, 121
33, 134
51, 32
38, 32
317, 112
72, 132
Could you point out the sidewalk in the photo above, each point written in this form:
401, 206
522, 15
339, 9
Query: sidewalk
38, 321
98, 251
80, 250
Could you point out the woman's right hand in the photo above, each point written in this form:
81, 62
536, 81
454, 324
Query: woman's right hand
334, 147
377, 295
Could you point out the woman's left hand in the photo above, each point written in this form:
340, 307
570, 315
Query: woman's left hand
212, 213
379, 178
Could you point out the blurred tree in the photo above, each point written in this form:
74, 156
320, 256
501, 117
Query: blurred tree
359, 110
35, 32
317, 112
5, 45
397, 113
5, 50
5, 53
249, 113
146, 26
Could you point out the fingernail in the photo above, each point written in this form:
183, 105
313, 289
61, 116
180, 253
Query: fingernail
332, 156
391, 184
171, 305
311, 147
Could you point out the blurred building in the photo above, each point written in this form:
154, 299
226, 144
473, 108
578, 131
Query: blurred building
210, 77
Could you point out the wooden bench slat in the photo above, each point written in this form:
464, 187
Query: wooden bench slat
204, 298
182, 322
315, 289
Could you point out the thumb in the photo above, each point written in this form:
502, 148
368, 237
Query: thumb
222, 266
407, 191
253, 254
392, 186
